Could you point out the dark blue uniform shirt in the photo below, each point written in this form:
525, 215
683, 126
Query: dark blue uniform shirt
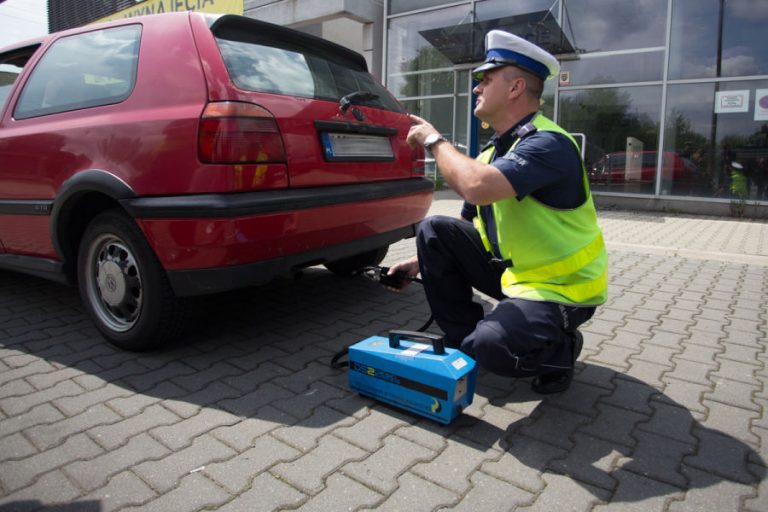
544, 165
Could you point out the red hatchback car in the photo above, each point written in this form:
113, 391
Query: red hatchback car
159, 157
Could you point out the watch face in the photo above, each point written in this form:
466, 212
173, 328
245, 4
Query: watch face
431, 139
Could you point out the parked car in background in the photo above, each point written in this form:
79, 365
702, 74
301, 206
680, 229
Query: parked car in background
160, 157
640, 167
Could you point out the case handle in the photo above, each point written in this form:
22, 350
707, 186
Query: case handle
438, 342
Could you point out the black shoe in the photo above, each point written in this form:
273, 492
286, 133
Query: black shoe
558, 382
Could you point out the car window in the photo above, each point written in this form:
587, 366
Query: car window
259, 63
11, 64
83, 70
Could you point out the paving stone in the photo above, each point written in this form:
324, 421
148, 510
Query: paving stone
710, 493
20, 473
116, 434
146, 381
524, 462
182, 433
686, 394
741, 353
341, 493
589, 461
429, 438
733, 370
72, 405
415, 494
737, 394
721, 455
488, 493
203, 378
302, 406
580, 398
614, 424
251, 380
655, 354
612, 355
308, 472
670, 420
731, 420
96, 472
658, 457
53, 434
305, 434
493, 428
691, 371
381, 469
16, 388
134, 404
246, 405
566, 495
554, 425
14, 406
281, 496
759, 500
453, 465
370, 432
636, 493
44, 494
195, 492
235, 474
42, 414
124, 489
16, 446
242, 435
166, 473
699, 353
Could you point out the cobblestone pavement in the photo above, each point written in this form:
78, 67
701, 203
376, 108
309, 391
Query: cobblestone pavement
668, 410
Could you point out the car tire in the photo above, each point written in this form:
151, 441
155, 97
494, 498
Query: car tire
124, 287
354, 264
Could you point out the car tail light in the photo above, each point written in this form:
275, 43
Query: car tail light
237, 133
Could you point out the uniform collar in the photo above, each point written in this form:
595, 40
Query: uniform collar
504, 141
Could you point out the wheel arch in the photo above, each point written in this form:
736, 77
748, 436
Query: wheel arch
80, 199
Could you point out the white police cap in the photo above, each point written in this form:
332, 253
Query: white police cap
505, 49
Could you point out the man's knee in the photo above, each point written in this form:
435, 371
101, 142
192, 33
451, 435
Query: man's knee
488, 344
435, 226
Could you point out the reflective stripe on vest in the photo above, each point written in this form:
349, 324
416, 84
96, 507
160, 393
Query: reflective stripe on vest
546, 269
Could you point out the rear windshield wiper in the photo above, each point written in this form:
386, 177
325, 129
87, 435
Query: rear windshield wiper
356, 97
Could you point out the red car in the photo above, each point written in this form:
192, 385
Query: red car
180, 154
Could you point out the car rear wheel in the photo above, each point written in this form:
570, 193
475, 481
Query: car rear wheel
354, 264
123, 286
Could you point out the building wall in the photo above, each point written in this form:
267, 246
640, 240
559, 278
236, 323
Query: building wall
664, 94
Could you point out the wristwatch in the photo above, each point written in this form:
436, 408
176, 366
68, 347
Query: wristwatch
432, 139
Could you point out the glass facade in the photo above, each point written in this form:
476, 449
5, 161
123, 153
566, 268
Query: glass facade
668, 97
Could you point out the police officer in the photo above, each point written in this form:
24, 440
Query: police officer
528, 233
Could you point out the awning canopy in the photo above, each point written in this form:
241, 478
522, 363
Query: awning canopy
464, 43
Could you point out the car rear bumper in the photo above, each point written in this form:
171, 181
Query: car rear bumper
213, 280
216, 242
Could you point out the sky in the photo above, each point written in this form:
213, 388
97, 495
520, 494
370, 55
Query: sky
22, 19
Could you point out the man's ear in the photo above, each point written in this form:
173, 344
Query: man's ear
517, 88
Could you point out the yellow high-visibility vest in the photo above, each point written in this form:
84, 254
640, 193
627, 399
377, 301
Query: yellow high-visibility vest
556, 255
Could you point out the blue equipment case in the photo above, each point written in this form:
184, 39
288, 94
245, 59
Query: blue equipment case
429, 380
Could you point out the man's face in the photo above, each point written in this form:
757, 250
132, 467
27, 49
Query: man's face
492, 95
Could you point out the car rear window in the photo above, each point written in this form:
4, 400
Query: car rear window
295, 65
83, 70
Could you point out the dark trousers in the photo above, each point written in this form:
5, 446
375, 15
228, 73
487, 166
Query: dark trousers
519, 338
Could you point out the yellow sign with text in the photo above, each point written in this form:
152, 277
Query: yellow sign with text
160, 6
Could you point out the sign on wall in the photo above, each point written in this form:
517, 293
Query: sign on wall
727, 102
761, 105
161, 6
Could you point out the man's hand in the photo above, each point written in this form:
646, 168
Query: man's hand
420, 128
411, 269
